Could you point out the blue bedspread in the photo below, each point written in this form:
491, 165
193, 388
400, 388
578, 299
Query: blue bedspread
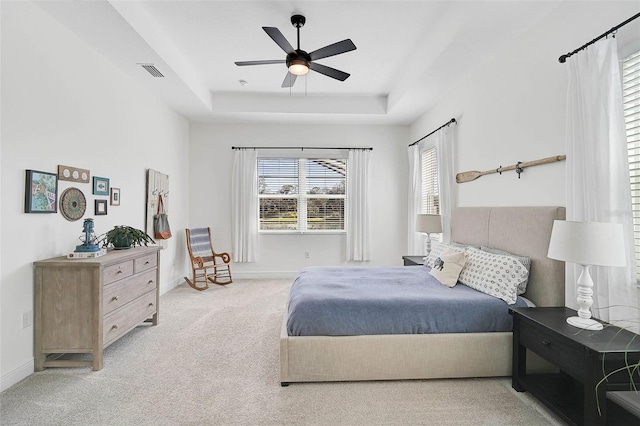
348, 301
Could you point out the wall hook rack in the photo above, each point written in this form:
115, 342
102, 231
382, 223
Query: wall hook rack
519, 168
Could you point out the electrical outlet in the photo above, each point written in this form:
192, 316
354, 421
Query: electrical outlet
306, 255
26, 319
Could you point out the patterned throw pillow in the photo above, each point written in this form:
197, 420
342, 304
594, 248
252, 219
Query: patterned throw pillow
525, 260
494, 274
447, 267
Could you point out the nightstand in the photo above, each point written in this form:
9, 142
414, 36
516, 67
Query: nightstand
582, 357
413, 260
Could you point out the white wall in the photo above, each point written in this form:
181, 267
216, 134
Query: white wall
62, 103
282, 255
512, 107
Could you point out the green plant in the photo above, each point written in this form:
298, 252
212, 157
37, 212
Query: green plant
124, 237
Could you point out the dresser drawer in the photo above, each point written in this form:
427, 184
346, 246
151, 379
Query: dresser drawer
144, 263
117, 272
127, 317
569, 358
122, 292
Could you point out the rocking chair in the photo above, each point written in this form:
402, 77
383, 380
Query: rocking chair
208, 266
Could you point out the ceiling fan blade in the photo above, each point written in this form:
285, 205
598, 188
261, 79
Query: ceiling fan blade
328, 71
333, 49
289, 80
271, 61
277, 36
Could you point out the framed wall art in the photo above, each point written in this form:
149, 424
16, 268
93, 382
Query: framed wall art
74, 174
100, 186
115, 196
101, 207
41, 192
73, 204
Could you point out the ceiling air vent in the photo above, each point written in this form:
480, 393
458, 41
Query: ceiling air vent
152, 70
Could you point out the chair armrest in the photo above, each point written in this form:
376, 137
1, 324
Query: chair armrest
226, 258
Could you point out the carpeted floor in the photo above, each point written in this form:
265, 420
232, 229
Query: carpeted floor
213, 360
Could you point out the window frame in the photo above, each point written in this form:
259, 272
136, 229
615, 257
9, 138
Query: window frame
302, 196
429, 182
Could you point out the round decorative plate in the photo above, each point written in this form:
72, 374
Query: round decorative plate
72, 204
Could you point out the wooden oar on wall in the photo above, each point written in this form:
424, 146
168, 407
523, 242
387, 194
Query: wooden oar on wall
473, 175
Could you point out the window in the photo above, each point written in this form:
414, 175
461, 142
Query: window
631, 107
429, 199
302, 194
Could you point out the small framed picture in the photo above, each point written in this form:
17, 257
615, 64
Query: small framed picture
100, 186
41, 192
115, 196
101, 207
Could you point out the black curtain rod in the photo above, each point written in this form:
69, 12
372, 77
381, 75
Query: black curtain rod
302, 148
452, 121
563, 58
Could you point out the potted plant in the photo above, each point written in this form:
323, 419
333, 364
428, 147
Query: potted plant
123, 237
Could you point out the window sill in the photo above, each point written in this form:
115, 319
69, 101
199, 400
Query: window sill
302, 232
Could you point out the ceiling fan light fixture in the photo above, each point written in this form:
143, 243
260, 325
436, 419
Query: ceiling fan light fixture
298, 67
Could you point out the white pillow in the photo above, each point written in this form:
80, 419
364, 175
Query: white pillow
447, 267
494, 274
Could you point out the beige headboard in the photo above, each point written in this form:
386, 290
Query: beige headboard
523, 231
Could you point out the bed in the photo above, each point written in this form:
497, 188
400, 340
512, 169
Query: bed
520, 230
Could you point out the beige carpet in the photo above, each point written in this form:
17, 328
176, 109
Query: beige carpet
213, 360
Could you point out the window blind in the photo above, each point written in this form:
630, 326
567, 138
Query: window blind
631, 107
302, 194
429, 200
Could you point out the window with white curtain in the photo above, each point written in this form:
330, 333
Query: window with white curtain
429, 199
302, 194
631, 106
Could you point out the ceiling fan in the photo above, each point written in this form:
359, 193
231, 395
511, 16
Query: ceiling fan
300, 62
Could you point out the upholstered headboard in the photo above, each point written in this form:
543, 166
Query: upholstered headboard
523, 231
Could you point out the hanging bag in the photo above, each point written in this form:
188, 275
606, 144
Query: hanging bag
161, 228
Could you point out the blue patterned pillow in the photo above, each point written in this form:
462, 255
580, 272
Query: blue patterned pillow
525, 260
493, 274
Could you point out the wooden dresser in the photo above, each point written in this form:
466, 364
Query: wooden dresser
84, 305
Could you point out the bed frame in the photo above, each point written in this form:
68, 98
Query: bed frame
519, 230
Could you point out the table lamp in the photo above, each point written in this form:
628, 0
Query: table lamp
587, 243
427, 224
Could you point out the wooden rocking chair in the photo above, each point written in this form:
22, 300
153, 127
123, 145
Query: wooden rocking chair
208, 266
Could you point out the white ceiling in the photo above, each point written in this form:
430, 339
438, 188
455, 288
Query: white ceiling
409, 53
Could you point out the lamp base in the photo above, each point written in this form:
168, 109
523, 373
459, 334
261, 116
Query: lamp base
585, 323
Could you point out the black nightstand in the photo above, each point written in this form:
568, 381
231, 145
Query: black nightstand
413, 260
583, 358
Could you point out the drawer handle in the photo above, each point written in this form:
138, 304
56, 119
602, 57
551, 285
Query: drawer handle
119, 271
114, 327
546, 343
150, 282
150, 305
146, 263
114, 298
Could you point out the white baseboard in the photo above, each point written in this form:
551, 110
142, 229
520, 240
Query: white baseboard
270, 275
17, 375
168, 286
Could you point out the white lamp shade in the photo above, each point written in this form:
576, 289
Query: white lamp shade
587, 243
428, 223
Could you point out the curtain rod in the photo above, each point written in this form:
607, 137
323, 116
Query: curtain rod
452, 121
563, 58
302, 148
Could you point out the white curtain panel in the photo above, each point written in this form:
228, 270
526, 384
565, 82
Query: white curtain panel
244, 205
415, 243
445, 143
358, 231
598, 174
